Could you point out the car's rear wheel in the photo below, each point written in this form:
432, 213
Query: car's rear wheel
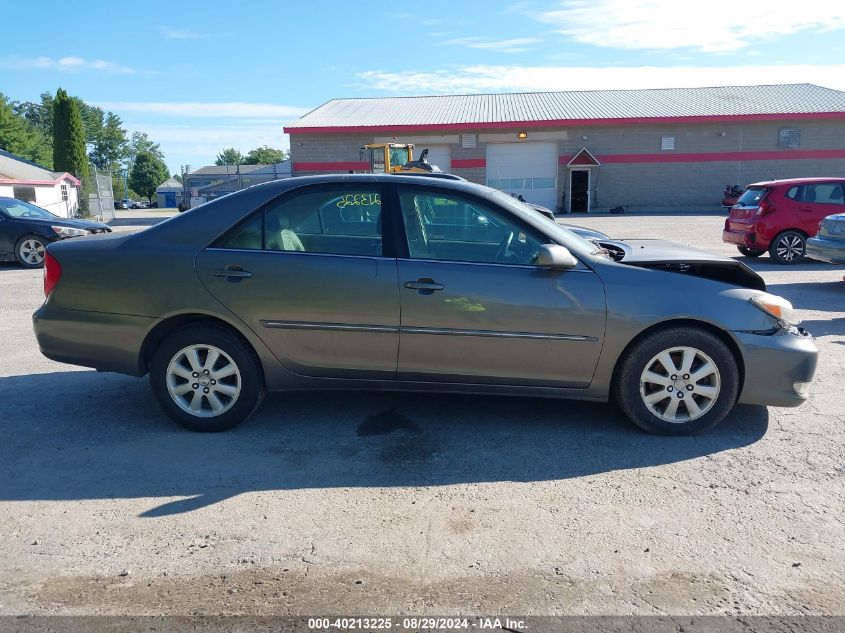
206, 378
788, 247
677, 381
29, 251
750, 252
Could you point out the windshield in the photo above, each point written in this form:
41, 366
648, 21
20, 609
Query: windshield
21, 209
752, 197
586, 245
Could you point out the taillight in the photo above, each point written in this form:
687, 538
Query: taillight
766, 208
52, 273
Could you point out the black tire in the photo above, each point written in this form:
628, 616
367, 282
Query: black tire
251, 378
628, 388
21, 246
750, 252
789, 247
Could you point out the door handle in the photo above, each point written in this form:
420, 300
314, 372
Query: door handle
424, 285
232, 273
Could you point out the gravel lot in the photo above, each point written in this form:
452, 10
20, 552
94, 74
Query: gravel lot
424, 504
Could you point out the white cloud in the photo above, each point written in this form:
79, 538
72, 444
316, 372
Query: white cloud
171, 33
231, 109
488, 78
714, 26
68, 64
514, 45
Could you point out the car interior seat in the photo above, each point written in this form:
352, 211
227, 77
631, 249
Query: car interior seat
279, 235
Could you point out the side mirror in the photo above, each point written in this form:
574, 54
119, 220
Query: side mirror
555, 257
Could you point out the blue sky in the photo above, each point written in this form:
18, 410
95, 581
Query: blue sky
201, 76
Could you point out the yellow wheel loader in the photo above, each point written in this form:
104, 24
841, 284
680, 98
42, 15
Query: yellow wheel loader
391, 158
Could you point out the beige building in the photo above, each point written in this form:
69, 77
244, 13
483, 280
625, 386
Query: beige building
668, 149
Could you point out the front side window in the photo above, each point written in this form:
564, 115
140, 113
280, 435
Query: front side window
444, 227
823, 193
336, 222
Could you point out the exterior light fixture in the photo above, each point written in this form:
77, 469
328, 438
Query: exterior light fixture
521, 135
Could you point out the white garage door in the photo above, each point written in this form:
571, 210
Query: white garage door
524, 169
437, 155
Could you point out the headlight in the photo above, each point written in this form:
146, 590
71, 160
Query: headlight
66, 231
776, 307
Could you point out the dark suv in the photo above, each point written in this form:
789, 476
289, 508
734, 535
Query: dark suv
779, 215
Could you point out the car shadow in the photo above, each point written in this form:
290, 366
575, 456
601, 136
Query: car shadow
102, 436
817, 295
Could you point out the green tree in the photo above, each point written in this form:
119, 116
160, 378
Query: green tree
19, 136
229, 156
39, 114
148, 172
141, 143
265, 155
68, 137
177, 177
110, 145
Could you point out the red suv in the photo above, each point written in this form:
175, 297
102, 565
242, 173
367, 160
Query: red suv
779, 215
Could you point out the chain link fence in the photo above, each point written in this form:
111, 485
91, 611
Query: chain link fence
97, 199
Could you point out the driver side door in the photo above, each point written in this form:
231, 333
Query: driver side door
476, 309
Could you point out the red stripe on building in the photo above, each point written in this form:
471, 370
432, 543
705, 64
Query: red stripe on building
333, 166
521, 125
468, 163
708, 157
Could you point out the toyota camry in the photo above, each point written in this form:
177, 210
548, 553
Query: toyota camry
415, 283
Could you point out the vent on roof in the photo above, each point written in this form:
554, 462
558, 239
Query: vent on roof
789, 138
667, 142
468, 141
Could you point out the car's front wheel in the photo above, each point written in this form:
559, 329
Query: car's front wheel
29, 251
788, 247
206, 378
750, 252
677, 381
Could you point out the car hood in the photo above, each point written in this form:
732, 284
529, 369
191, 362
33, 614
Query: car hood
74, 224
678, 258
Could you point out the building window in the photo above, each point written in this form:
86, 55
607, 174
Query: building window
667, 142
64, 193
789, 138
27, 194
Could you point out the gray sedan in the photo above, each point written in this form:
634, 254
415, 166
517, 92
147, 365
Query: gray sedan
376, 282
829, 244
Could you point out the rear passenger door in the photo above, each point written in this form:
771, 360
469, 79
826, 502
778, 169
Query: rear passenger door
309, 275
820, 200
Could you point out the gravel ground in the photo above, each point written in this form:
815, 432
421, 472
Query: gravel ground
424, 504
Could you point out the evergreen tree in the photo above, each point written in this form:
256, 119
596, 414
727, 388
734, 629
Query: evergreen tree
19, 137
68, 137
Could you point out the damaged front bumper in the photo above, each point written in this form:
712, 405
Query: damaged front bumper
779, 367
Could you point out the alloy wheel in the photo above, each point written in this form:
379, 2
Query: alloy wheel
680, 384
32, 252
790, 247
203, 380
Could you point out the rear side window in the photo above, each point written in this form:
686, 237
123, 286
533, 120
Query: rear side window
752, 196
332, 222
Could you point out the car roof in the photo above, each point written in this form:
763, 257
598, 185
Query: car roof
795, 181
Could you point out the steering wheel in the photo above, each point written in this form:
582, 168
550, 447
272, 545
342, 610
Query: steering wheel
504, 247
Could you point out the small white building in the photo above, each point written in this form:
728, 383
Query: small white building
169, 194
58, 192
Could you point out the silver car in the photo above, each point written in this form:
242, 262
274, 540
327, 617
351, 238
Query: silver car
415, 283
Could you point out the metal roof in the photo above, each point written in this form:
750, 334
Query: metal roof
499, 110
231, 170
